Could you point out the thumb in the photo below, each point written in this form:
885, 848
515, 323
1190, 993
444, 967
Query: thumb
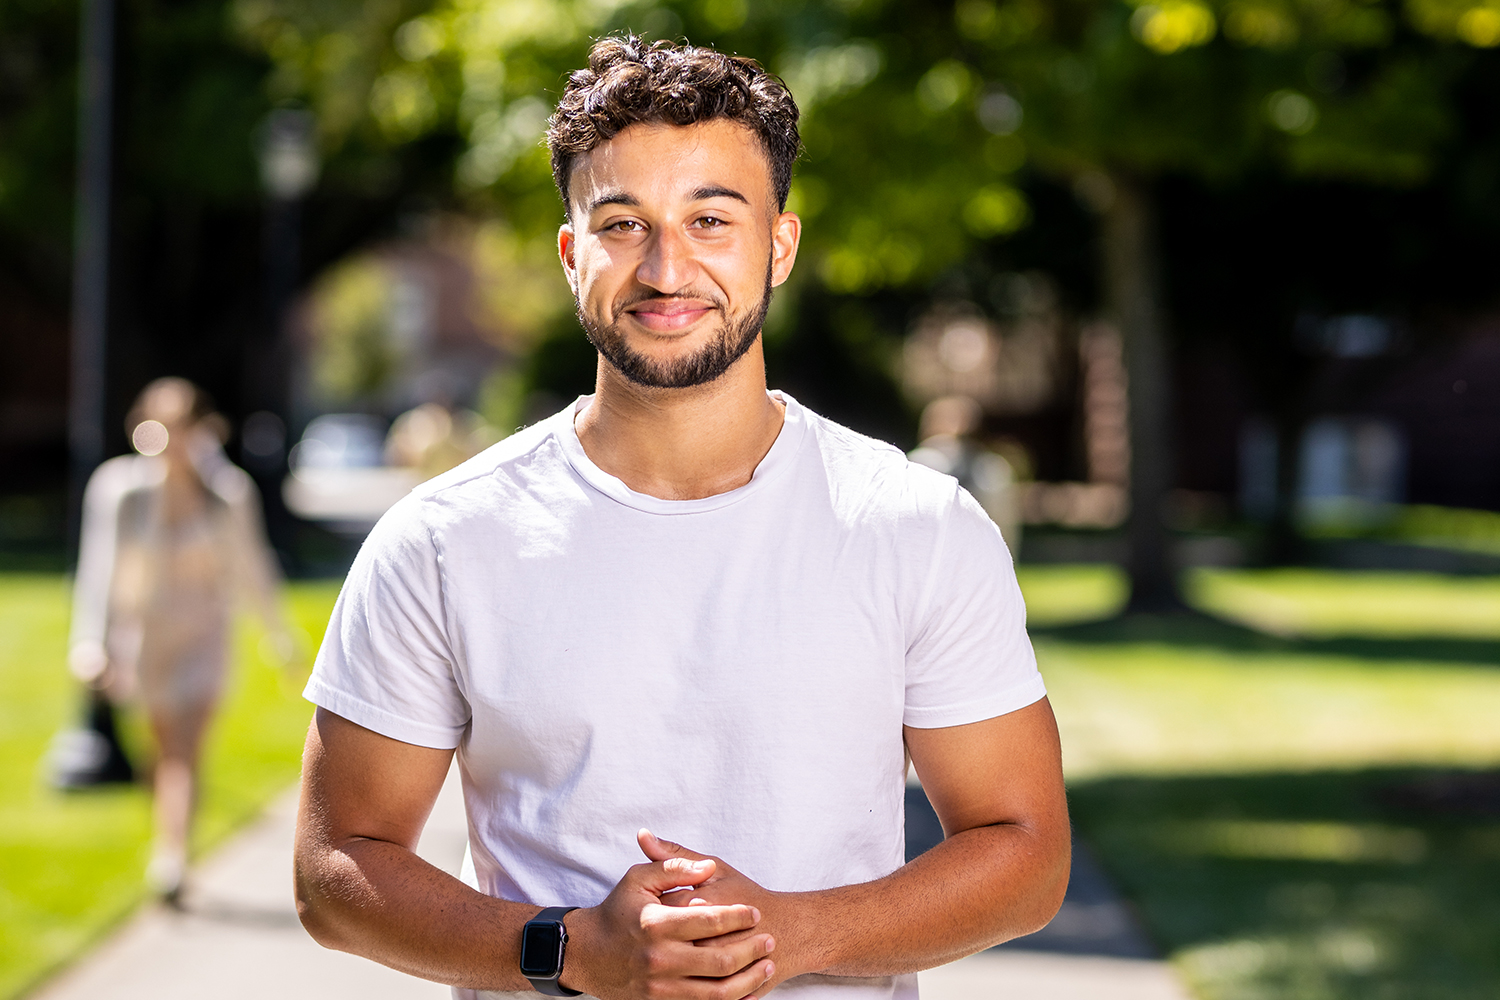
669, 873
660, 850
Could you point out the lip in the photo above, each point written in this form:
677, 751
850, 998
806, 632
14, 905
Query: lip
667, 316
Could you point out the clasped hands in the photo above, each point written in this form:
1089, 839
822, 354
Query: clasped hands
683, 925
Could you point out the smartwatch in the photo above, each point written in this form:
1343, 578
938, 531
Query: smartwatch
544, 942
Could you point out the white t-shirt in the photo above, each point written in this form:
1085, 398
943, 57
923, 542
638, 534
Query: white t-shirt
732, 672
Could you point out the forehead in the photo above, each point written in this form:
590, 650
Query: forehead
667, 163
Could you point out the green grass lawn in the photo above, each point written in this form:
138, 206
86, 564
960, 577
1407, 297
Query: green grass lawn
71, 865
1305, 808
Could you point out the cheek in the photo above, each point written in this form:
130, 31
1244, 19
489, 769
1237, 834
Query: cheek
741, 270
598, 266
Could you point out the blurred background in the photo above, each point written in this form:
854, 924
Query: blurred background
1211, 282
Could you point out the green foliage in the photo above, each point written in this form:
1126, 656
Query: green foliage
38, 43
353, 351
190, 97
71, 865
917, 117
888, 108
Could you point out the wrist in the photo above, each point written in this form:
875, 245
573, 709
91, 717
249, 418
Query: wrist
544, 951
804, 944
582, 927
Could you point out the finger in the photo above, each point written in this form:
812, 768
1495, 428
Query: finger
684, 897
733, 937
673, 873
693, 923
660, 850
717, 963
721, 960
745, 983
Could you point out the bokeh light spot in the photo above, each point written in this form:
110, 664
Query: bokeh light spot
150, 437
1480, 27
1171, 25
1292, 112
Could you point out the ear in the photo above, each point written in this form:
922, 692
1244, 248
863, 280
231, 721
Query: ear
786, 235
566, 243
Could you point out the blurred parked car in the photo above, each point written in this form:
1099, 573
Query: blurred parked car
339, 478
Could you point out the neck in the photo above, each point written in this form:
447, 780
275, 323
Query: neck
682, 444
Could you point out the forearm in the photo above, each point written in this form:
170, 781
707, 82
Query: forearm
379, 900
974, 890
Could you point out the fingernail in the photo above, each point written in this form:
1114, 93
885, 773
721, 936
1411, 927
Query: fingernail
770, 969
755, 914
770, 945
698, 865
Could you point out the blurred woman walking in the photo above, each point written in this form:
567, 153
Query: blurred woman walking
172, 539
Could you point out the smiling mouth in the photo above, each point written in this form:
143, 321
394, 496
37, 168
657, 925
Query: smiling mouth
669, 315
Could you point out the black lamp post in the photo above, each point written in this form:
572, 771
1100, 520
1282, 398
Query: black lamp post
286, 146
91, 232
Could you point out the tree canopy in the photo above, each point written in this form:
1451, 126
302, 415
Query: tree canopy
917, 118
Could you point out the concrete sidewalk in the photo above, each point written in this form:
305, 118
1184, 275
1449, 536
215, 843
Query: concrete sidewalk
239, 938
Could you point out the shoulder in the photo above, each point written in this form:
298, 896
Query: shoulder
876, 477
123, 474
229, 482
486, 474
483, 488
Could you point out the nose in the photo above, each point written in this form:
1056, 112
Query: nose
668, 266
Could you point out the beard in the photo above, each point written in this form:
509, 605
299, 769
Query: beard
735, 335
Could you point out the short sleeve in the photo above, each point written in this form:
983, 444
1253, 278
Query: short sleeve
968, 656
386, 663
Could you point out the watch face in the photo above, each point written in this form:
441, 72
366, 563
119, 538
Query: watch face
541, 949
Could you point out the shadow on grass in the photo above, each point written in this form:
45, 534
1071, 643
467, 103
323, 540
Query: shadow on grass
1196, 630
1365, 884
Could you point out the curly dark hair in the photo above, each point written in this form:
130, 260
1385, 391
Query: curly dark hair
631, 81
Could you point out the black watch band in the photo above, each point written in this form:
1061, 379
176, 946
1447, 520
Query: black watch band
544, 944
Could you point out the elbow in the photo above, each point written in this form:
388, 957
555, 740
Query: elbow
1050, 887
1035, 892
315, 909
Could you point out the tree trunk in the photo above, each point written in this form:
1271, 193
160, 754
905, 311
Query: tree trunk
1132, 283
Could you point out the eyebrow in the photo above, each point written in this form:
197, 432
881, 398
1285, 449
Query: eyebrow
613, 198
630, 200
704, 193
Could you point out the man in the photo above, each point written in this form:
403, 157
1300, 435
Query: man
687, 604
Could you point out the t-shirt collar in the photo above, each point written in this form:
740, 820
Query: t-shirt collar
778, 459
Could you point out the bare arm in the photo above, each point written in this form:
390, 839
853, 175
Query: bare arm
102, 497
361, 888
1000, 873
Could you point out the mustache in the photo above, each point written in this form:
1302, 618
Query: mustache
637, 298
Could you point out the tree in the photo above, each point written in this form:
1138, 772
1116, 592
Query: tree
919, 117
1118, 95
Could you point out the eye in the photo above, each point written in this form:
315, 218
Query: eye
625, 226
711, 222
